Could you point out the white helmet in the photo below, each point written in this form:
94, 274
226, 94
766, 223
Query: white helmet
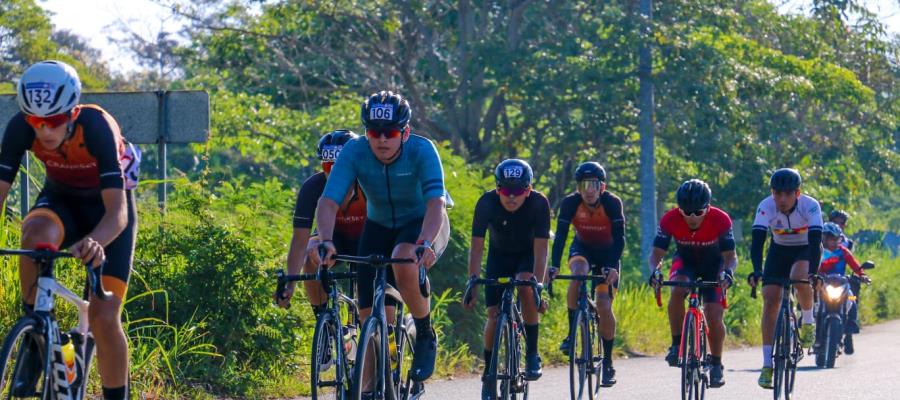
48, 88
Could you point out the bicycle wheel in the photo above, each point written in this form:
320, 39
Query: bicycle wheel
500, 371
581, 360
326, 370
12, 356
794, 356
702, 363
781, 351
369, 372
516, 338
405, 341
688, 358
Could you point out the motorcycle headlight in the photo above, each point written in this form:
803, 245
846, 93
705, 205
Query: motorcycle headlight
834, 292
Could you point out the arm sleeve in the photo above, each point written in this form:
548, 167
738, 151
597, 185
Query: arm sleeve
100, 133
17, 139
481, 218
431, 171
542, 218
815, 250
616, 215
726, 238
663, 237
756, 248
307, 200
343, 173
851, 261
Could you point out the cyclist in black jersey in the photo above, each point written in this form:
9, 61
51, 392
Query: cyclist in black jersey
597, 247
518, 218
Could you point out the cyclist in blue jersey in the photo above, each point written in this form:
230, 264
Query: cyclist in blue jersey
403, 180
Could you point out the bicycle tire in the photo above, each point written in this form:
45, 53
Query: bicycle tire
326, 338
795, 355
90, 351
500, 371
370, 339
11, 347
516, 338
780, 353
581, 359
687, 357
403, 384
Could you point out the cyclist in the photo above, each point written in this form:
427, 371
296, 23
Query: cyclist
705, 249
835, 259
840, 217
351, 217
795, 221
402, 177
597, 247
519, 221
86, 204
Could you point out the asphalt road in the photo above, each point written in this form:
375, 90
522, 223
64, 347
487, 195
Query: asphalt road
873, 372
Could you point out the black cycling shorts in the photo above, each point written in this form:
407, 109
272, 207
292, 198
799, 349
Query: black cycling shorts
500, 265
77, 216
779, 261
379, 239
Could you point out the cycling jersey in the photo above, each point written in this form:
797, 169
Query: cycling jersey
396, 193
699, 249
790, 229
351, 217
512, 232
835, 262
601, 228
94, 156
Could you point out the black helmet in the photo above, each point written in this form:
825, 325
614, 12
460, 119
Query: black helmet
590, 169
385, 109
693, 195
838, 214
331, 143
785, 180
513, 172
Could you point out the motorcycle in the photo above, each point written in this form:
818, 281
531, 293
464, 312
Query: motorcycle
834, 301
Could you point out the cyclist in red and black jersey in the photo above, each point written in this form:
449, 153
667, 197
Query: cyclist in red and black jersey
599, 240
705, 249
86, 203
348, 227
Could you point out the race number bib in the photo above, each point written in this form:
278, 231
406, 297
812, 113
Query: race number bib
382, 112
39, 93
513, 172
330, 153
131, 165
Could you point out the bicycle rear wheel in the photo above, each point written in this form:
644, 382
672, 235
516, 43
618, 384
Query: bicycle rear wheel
326, 378
581, 359
370, 373
689, 364
12, 358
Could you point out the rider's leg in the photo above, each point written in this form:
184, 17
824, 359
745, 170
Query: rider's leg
40, 226
314, 292
530, 314
800, 271
579, 266
715, 322
676, 308
771, 304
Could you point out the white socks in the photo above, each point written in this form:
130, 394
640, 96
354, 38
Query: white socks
807, 317
767, 355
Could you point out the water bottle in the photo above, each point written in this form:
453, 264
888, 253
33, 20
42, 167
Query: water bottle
392, 347
350, 342
68, 357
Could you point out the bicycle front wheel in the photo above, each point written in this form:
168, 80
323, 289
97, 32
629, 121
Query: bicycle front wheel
13, 360
326, 378
370, 373
501, 373
689, 364
581, 360
781, 351
88, 368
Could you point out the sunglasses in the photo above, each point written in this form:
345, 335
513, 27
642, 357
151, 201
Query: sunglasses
326, 166
588, 185
511, 191
391, 133
52, 121
696, 213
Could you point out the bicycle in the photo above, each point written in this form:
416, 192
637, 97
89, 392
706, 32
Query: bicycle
390, 381
67, 355
786, 349
692, 356
506, 366
331, 338
584, 352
